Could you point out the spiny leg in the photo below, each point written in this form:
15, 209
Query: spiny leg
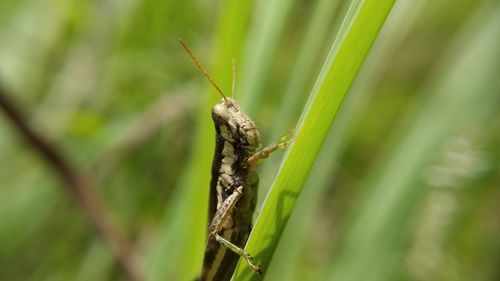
239, 251
221, 214
220, 221
262, 154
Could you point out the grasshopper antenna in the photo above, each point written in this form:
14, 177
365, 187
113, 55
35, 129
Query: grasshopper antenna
202, 69
233, 87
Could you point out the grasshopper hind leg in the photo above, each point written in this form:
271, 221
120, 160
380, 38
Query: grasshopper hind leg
239, 251
222, 219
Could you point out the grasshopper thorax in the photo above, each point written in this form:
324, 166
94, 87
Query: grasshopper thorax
234, 125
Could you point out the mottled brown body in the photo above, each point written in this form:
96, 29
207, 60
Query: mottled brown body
236, 140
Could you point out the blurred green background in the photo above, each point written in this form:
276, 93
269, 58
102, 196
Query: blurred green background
404, 188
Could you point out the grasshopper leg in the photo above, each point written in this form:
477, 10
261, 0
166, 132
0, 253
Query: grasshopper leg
219, 221
239, 251
264, 153
222, 214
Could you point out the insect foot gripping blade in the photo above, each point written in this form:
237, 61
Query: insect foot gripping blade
264, 153
233, 188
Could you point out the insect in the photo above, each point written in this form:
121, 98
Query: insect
233, 188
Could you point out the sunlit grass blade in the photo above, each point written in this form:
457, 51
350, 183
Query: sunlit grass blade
346, 56
301, 78
375, 239
291, 256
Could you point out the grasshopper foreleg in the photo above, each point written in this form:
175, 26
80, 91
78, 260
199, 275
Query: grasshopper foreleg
264, 153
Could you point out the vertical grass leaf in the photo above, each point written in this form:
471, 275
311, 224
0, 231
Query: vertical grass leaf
346, 56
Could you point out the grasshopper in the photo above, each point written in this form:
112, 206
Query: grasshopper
233, 188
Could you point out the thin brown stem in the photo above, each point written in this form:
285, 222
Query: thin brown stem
80, 186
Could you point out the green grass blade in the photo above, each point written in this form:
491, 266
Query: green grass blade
301, 78
291, 256
375, 240
346, 56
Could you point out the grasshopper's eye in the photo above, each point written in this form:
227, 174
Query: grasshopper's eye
220, 113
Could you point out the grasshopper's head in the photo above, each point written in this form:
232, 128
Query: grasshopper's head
234, 125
